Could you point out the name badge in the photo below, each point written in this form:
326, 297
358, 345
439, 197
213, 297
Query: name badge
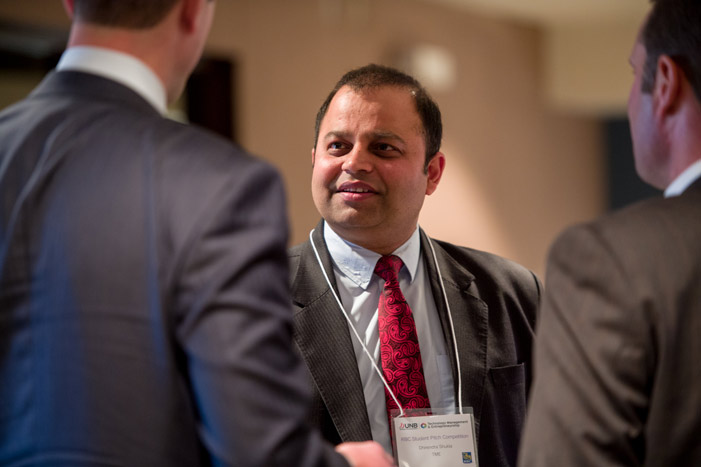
435, 440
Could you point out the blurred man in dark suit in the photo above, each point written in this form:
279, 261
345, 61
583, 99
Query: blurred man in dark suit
144, 306
618, 354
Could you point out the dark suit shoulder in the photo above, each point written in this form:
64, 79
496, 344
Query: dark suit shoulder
650, 242
670, 212
183, 153
90, 111
658, 223
491, 268
200, 144
512, 291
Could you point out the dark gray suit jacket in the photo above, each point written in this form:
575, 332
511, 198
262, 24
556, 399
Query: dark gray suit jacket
618, 352
144, 307
493, 302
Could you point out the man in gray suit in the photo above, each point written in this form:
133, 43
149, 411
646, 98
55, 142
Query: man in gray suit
144, 305
376, 156
618, 353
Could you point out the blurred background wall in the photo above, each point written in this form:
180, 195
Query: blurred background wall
533, 96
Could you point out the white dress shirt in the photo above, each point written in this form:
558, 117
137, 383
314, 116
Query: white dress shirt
684, 180
117, 66
359, 289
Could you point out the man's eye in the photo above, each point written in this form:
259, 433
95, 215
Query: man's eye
385, 149
338, 148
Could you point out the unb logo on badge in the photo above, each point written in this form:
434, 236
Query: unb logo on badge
467, 458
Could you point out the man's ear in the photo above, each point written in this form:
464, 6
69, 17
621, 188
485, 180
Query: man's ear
668, 85
313, 155
68, 6
189, 14
434, 170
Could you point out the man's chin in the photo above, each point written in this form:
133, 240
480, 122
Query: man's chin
351, 224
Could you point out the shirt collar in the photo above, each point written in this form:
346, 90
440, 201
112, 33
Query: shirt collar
684, 180
117, 66
358, 263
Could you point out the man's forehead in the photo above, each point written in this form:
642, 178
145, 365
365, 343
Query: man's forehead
373, 92
387, 100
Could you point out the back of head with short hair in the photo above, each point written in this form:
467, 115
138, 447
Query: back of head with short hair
673, 28
130, 14
375, 76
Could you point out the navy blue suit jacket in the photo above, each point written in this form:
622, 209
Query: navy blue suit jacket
144, 301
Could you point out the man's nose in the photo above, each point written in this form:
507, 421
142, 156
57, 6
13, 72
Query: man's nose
358, 160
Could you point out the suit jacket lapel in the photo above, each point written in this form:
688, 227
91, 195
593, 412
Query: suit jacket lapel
469, 315
324, 339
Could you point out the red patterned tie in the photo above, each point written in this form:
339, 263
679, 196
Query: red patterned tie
399, 344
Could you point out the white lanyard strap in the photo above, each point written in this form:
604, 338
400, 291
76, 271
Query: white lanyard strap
350, 323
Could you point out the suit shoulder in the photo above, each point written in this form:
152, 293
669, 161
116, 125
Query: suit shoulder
484, 264
496, 280
186, 151
647, 224
193, 140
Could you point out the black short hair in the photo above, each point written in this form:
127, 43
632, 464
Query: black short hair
673, 28
376, 76
131, 14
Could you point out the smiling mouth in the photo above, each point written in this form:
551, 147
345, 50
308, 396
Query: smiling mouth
356, 194
355, 190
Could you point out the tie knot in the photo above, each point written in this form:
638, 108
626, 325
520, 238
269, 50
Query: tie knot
388, 267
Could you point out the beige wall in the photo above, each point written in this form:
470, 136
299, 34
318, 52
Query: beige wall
516, 173
587, 69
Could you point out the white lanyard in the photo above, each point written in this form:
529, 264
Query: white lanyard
365, 349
